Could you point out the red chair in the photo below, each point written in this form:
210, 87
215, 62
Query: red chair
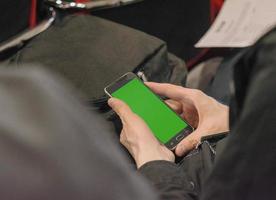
215, 6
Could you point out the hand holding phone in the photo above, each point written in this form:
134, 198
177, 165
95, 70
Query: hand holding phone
167, 126
203, 112
137, 137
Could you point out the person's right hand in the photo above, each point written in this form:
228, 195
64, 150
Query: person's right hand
202, 112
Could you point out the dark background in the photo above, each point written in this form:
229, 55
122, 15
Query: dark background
180, 23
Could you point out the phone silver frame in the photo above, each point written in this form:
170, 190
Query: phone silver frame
175, 137
105, 89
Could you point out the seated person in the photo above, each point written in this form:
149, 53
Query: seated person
245, 167
201, 111
51, 147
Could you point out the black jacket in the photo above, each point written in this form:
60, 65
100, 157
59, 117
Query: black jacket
51, 147
245, 167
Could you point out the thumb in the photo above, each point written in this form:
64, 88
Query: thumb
188, 143
120, 107
176, 106
168, 90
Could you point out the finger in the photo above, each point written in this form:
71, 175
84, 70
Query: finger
187, 144
120, 107
176, 106
122, 137
171, 91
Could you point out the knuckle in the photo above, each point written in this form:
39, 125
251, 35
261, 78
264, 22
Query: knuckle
176, 87
181, 148
196, 94
122, 138
189, 143
166, 87
166, 84
128, 119
193, 142
120, 106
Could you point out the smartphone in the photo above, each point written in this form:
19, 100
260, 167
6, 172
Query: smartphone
167, 126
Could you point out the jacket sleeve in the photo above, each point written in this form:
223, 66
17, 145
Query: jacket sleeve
165, 176
52, 147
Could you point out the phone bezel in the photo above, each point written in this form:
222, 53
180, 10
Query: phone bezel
124, 79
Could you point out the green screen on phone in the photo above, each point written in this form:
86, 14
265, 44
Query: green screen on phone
163, 122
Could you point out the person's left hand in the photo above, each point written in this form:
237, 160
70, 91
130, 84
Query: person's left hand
137, 137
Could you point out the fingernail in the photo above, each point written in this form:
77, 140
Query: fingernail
180, 150
111, 102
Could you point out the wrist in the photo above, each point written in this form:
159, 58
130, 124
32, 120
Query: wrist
145, 155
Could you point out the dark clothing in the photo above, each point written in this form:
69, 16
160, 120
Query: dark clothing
16, 13
184, 180
52, 148
18, 16
179, 23
245, 167
92, 52
219, 86
249, 157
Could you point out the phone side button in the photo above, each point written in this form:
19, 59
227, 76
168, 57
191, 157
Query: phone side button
180, 137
